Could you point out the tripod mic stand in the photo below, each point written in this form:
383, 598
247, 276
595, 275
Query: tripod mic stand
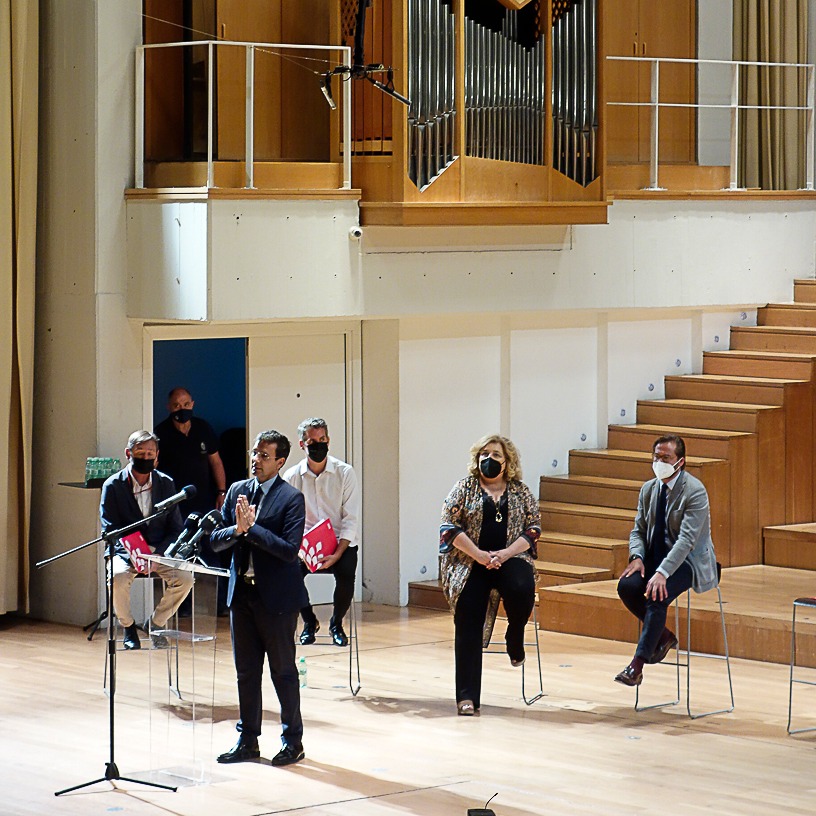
111, 769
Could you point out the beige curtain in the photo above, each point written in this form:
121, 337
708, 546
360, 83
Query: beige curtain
19, 24
772, 143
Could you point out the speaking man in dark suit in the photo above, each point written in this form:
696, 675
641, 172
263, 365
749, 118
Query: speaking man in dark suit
264, 519
670, 551
127, 496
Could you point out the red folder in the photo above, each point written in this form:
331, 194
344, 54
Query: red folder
137, 549
319, 540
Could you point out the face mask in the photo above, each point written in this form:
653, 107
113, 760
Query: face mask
663, 470
317, 451
182, 415
143, 465
490, 468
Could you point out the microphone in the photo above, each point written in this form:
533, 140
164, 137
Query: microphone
206, 524
190, 526
187, 493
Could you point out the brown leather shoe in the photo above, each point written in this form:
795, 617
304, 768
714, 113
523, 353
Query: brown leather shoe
628, 677
663, 648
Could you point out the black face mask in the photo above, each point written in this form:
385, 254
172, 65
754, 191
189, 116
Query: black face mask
317, 451
490, 468
143, 465
182, 415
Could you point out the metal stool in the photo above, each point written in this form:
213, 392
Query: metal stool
685, 662
806, 603
500, 650
353, 647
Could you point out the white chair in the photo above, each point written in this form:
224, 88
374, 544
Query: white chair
684, 656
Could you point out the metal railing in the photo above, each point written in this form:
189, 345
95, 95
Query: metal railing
733, 105
249, 118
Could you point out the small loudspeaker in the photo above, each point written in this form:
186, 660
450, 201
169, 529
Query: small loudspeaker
480, 812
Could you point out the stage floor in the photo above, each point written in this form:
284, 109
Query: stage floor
398, 748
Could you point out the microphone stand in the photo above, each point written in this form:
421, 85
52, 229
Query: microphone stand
111, 769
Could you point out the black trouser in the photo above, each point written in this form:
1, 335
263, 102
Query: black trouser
652, 613
256, 633
344, 572
515, 581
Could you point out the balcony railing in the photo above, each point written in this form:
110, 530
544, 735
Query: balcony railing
343, 55
733, 105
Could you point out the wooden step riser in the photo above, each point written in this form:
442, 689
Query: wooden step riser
607, 618
774, 316
749, 367
583, 464
659, 413
559, 490
804, 292
579, 524
746, 340
612, 559
635, 439
713, 391
796, 552
546, 580
426, 597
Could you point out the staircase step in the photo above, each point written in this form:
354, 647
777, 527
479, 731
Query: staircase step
804, 290
791, 365
773, 338
584, 551
427, 595
628, 464
787, 314
722, 388
791, 545
586, 519
757, 603
712, 415
599, 490
552, 573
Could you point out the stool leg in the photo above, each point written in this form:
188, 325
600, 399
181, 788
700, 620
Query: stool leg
354, 649
725, 657
793, 680
639, 707
540, 693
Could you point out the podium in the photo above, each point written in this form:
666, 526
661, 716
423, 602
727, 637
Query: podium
181, 698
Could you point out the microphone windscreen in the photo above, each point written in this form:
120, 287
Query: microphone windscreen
190, 491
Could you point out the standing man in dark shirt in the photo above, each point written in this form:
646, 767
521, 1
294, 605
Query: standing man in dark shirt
190, 455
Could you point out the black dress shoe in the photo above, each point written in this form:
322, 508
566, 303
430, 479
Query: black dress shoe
131, 638
244, 750
663, 648
628, 677
288, 755
337, 633
310, 629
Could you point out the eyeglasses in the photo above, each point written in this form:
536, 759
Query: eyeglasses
262, 455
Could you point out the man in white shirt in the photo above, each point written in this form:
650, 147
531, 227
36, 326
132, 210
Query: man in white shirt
331, 491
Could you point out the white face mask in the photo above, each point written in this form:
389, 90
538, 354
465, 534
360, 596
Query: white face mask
663, 470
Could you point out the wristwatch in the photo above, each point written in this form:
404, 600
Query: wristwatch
633, 557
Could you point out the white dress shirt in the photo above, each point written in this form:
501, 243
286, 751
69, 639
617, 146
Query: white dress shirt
333, 494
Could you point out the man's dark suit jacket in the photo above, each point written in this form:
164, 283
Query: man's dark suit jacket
119, 508
275, 540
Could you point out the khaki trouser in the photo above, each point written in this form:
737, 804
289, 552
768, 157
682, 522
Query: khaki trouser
177, 585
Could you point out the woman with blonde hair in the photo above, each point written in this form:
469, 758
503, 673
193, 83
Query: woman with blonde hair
487, 543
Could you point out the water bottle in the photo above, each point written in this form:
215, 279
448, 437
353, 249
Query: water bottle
302, 672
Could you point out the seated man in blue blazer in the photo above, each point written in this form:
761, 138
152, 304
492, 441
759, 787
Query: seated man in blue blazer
127, 496
264, 519
670, 551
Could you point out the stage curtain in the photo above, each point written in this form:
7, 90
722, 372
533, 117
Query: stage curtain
19, 49
772, 143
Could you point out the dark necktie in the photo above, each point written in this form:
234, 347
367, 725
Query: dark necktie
658, 543
243, 553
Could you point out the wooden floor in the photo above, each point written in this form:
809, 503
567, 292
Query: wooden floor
398, 748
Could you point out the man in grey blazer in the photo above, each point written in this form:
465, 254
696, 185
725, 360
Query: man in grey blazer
670, 551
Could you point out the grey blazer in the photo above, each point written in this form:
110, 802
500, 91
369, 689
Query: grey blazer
688, 529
